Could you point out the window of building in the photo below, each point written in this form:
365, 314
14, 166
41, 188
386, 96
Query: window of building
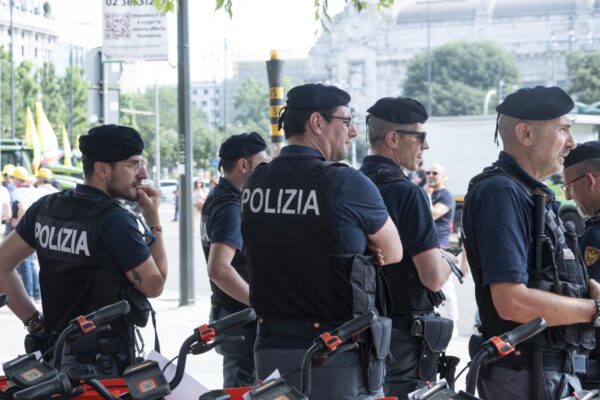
22, 51
36, 37
36, 52
194, 92
23, 34
205, 91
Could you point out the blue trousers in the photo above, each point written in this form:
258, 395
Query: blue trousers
238, 357
29, 276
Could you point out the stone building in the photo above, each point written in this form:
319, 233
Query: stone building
368, 53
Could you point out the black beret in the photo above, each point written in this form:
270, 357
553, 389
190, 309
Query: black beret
537, 104
582, 152
243, 145
110, 143
315, 96
400, 110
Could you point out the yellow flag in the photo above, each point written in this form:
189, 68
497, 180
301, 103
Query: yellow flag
48, 139
66, 148
32, 140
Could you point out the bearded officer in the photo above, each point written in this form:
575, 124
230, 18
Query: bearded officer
307, 221
90, 249
582, 177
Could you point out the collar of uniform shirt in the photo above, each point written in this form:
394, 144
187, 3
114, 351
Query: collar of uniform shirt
299, 150
510, 166
375, 162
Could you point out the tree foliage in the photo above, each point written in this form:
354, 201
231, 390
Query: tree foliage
462, 73
45, 85
584, 70
203, 138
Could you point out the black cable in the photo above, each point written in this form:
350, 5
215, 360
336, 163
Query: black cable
169, 363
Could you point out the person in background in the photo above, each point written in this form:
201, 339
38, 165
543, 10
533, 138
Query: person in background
442, 210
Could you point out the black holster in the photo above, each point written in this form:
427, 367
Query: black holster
436, 332
373, 350
36, 342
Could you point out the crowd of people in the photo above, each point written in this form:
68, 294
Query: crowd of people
310, 243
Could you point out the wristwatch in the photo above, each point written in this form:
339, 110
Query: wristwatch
34, 323
596, 319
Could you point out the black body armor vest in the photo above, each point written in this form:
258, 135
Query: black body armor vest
571, 277
296, 270
409, 295
66, 237
212, 204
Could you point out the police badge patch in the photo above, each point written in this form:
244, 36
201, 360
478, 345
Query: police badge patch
591, 255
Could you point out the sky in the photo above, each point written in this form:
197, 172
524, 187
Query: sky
257, 27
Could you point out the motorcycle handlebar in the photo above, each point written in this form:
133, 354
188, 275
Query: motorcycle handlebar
60, 384
233, 321
109, 312
354, 326
524, 332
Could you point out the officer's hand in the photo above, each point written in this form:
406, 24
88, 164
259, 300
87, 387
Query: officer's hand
594, 289
377, 255
148, 198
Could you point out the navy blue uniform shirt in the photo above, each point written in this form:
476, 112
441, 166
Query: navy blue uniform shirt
121, 245
589, 243
443, 223
498, 219
408, 206
226, 221
358, 207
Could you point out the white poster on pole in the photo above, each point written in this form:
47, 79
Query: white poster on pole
134, 31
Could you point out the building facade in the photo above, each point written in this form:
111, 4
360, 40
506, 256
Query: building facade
368, 53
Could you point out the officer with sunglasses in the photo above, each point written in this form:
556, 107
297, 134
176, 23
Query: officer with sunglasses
582, 177
307, 223
91, 252
525, 264
395, 132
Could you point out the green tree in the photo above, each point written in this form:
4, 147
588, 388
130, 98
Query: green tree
252, 105
462, 73
51, 95
202, 136
584, 70
80, 86
26, 93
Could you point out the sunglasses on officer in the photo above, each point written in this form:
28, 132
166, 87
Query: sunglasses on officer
421, 136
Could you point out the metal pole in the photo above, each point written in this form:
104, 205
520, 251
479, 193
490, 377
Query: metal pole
186, 236
157, 133
428, 58
12, 72
71, 89
225, 94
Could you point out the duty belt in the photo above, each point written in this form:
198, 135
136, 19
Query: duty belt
304, 330
568, 362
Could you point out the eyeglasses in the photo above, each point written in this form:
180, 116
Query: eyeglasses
136, 165
345, 120
567, 186
431, 172
421, 136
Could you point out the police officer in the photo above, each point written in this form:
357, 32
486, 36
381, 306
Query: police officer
395, 131
512, 285
223, 248
306, 224
582, 184
90, 249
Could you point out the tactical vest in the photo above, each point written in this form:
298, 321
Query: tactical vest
212, 204
296, 270
572, 278
66, 237
409, 295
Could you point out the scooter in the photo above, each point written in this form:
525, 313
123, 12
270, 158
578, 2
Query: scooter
143, 381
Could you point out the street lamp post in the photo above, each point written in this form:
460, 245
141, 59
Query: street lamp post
12, 72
